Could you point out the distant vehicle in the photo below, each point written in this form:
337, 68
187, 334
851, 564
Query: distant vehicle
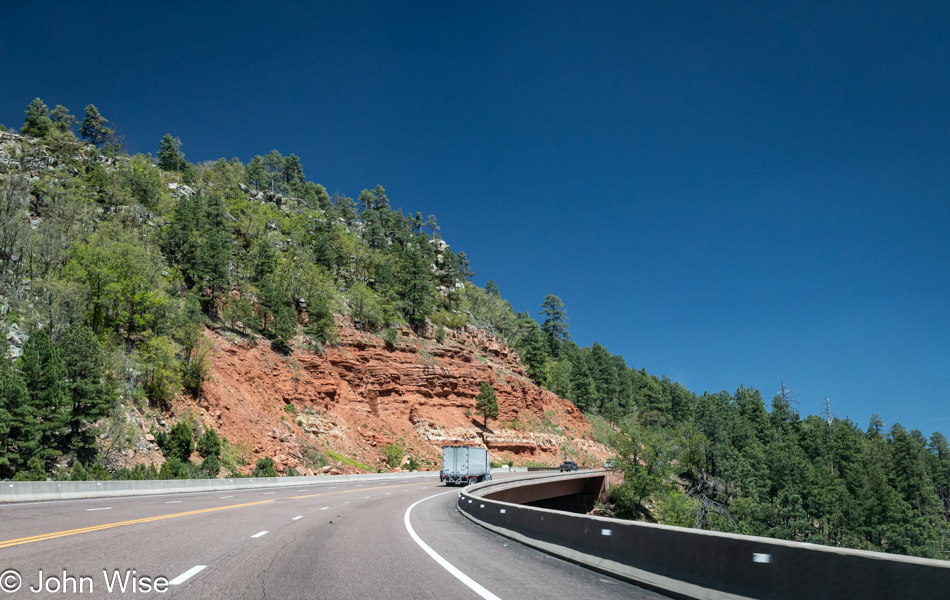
464, 465
568, 465
610, 464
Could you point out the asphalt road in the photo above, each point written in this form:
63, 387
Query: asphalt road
342, 540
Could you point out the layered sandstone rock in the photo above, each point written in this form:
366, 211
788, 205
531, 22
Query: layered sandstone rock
359, 396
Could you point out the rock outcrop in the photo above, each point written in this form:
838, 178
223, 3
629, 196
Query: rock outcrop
360, 396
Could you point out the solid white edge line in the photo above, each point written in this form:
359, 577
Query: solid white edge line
187, 575
468, 581
257, 535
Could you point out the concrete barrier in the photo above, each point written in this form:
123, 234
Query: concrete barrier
36, 491
690, 563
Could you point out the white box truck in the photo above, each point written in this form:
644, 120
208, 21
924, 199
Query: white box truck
464, 465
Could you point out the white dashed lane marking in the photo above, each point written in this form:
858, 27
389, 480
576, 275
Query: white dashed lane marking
187, 575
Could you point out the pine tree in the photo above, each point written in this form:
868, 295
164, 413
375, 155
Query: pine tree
265, 261
285, 328
374, 234
293, 170
254, 171
555, 322
45, 377
417, 286
216, 253
485, 402
182, 240
170, 156
19, 437
93, 128
37, 123
62, 119
583, 388
345, 208
90, 397
463, 268
273, 165
533, 351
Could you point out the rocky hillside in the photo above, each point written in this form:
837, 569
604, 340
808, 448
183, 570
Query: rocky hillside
143, 259
360, 396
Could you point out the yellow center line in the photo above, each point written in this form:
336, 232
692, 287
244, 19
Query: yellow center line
59, 534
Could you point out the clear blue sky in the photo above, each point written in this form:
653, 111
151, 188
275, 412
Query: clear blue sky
723, 194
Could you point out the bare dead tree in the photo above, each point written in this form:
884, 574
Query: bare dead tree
710, 512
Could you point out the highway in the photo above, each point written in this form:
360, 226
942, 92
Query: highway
348, 540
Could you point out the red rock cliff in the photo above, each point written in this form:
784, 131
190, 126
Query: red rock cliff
359, 396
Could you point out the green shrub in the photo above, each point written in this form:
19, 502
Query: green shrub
390, 336
98, 472
393, 454
179, 442
211, 466
448, 319
314, 459
138, 473
123, 474
79, 473
264, 468
35, 471
168, 468
235, 456
209, 444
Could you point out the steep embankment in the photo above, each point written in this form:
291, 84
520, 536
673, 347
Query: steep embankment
360, 396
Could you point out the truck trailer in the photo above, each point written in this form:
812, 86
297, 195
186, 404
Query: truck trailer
464, 465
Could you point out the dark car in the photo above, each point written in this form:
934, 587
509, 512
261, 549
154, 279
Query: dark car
568, 465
